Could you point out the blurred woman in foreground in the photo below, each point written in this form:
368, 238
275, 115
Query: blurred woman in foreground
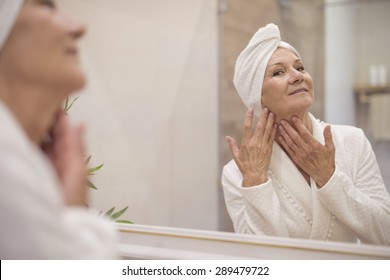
42, 162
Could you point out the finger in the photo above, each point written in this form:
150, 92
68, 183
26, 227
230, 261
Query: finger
269, 126
286, 138
60, 126
261, 124
246, 134
77, 141
292, 135
233, 148
328, 138
286, 146
301, 128
273, 133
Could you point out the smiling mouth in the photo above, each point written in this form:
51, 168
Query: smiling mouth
298, 91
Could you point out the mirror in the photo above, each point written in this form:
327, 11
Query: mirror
160, 96
151, 108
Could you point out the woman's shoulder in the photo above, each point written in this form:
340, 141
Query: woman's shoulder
351, 137
342, 130
347, 130
348, 135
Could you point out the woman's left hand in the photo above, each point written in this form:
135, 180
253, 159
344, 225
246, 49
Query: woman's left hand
317, 160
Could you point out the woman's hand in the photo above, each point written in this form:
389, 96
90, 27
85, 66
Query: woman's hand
254, 155
66, 152
317, 160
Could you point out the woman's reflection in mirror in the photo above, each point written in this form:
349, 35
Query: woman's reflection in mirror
295, 176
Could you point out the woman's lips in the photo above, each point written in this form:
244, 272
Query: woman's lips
298, 91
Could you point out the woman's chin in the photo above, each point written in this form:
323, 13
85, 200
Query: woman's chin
76, 82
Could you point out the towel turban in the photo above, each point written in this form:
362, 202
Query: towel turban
252, 63
9, 10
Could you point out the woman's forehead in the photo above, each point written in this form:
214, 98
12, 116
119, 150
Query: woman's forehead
281, 56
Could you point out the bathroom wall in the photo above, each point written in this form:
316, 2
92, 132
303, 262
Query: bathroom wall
151, 108
356, 36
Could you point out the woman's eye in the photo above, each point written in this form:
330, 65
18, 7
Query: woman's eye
278, 73
301, 68
49, 4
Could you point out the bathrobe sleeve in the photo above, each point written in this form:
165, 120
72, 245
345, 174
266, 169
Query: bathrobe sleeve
254, 210
357, 195
35, 222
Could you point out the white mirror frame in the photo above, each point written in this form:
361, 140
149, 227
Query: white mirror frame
153, 242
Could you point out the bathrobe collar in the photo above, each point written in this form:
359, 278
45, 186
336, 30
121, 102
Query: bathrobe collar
293, 185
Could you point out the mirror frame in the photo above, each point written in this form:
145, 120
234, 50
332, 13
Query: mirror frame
154, 242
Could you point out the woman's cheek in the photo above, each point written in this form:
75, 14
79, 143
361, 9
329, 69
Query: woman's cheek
267, 103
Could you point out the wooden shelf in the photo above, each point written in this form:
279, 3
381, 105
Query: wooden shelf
364, 91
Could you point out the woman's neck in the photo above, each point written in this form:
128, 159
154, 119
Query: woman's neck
34, 109
304, 117
307, 123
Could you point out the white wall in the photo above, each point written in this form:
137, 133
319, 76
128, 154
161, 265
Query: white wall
356, 36
340, 57
151, 107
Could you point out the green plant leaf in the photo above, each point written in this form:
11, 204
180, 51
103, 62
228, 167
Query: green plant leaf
91, 185
119, 213
91, 171
87, 160
67, 105
124, 222
109, 212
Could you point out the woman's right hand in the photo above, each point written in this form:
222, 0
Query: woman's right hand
66, 152
254, 155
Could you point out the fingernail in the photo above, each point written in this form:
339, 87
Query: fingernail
294, 118
266, 109
283, 122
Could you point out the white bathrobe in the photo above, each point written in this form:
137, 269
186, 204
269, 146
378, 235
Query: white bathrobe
35, 223
353, 205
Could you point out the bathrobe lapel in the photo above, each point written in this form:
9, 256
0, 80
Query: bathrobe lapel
301, 197
321, 215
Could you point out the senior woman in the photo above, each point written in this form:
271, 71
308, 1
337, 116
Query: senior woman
296, 176
42, 164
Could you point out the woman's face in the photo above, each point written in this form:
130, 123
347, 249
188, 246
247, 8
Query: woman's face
287, 87
41, 48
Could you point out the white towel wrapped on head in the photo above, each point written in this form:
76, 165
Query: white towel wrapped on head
252, 63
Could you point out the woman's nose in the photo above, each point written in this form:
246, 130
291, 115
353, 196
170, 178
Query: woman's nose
296, 76
76, 27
